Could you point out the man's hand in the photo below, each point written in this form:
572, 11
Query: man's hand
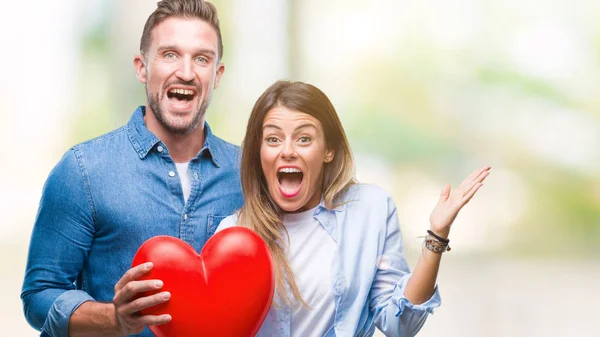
128, 304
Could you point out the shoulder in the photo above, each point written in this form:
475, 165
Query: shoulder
229, 221
226, 146
228, 153
361, 200
72, 159
104, 145
92, 154
364, 193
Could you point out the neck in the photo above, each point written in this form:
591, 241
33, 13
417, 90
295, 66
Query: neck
182, 148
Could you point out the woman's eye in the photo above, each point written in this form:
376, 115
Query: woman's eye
272, 140
304, 139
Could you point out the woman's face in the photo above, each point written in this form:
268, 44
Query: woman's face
292, 154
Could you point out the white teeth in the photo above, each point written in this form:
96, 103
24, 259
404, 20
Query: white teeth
181, 91
289, 170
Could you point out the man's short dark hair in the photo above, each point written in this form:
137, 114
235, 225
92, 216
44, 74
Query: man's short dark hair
188, 9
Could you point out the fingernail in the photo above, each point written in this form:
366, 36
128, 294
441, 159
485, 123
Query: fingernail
158, 284
148, 265
167, 318
166, 296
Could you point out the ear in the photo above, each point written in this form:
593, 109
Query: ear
329, 156
219, 73
140, 68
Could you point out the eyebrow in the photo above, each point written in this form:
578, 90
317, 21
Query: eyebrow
306, 125
199, 51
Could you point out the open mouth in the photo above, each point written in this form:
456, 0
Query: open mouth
290, 180
182, 95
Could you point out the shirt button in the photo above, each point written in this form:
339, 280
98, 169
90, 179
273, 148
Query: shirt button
159, 149
338, 287
185, 217
171, 174
336, 291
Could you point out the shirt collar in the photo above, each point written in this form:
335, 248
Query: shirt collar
143, 140
327, 218
211, 147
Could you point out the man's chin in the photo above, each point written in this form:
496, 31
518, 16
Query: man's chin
178, 127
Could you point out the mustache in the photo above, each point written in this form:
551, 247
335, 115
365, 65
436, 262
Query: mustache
191, 83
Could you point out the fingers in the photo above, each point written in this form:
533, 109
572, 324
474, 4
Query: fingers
132, 275
478, 176
154, 320
471, 193
128, 305
144, 302
131, 289
134, 324
467, 189
482, 176
445, 194
479, 171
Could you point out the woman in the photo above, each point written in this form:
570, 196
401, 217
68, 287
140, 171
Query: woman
336, 244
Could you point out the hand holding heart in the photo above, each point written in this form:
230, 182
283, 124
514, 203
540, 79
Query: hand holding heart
128, 303
226, 290
450, 203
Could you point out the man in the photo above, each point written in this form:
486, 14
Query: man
164, 173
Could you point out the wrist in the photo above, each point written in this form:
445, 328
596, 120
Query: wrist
441, 232
113, 321
436, 243
94, 319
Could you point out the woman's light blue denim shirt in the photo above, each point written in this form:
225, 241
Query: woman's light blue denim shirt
369, 270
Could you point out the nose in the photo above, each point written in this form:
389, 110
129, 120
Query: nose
185, 70
288, 151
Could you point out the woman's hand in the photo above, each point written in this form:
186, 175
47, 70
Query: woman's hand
450, 203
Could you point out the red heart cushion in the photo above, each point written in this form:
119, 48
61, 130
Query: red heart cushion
225, 291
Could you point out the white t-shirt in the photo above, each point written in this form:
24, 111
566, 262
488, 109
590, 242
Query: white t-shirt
184, 176
310, 254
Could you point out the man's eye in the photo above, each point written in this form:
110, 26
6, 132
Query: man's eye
170, 56
202, 59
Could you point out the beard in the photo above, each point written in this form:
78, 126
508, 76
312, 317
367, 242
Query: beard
175, 126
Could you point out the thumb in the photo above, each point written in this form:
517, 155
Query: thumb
445, 193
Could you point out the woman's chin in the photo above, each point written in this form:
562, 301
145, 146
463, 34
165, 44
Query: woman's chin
289, 205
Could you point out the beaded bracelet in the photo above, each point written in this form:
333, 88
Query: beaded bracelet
435, 245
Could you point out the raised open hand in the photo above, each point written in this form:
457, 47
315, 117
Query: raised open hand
451, 202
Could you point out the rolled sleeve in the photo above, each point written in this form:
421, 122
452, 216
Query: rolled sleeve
404, 304
57, 321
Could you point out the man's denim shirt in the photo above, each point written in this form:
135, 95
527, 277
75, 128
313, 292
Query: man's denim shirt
103, 200
369, 270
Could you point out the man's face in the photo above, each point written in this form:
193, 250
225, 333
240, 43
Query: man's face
181, 69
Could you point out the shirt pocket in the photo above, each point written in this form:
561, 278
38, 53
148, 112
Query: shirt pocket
213, 222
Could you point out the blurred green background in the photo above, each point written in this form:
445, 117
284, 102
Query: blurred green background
427, 91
